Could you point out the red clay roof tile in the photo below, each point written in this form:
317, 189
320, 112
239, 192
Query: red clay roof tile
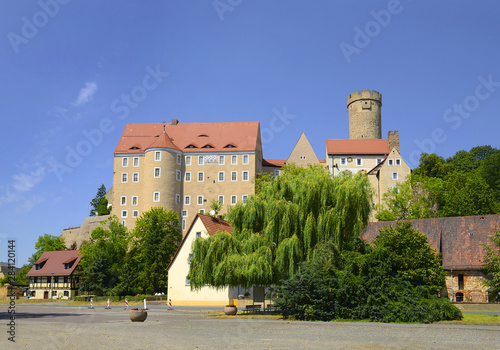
54, 263
357, 146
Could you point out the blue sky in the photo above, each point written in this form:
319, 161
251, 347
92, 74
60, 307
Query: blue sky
75, 72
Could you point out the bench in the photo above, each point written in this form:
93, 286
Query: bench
252, 308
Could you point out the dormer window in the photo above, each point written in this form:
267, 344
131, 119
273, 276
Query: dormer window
202, 135
191, 146
208, 146
229, 146
134, 148
37, 267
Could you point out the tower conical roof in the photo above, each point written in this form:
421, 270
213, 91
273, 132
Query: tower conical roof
163, 141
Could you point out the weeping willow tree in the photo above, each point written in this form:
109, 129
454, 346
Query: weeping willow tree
281, 226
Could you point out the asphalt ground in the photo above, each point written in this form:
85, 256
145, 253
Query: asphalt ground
68, 327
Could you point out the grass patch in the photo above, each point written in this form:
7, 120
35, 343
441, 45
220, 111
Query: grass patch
478, 319
29, 301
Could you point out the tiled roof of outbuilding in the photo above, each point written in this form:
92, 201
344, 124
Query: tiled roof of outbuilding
54, 263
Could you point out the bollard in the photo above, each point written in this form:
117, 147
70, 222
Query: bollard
91, 303
145, 307
126, 304
170, 304
108, 307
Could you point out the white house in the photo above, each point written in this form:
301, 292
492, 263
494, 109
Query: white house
179, 289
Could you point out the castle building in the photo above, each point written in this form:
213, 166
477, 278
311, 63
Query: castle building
184, 167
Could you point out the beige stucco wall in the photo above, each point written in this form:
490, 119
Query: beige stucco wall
179, 292
368, 162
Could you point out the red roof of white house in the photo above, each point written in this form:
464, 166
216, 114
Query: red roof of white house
55, 263
357, 146
189, 137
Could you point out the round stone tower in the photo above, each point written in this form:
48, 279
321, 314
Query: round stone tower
365, 120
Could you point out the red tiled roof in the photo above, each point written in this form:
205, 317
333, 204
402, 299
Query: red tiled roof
461, 240
274, 162
357, 146
322, 160
163, 141
190, 137
54, 263
213, 225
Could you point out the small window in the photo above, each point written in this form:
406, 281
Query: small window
134, 200
136, 161
379, 160
190, 258
198, 234
343, 161
201, 176
183, 224
234, 175
395, 175
157, 156
125, 161
135, 213
123, 200
221, 176
390, 162
461, 282
244, 198
66, 293
245, 159
398, 161
156, 196
187, 176
234, 199
200, 160
221, 199
54, 293
184, 213
124, 214
359, 161
245, 176
157, 172
187, 200
124, 223
277, 172
187, 160
200, 200
179, 159
229, 146
124, 177
178, 175
222, 160
135, 177
188, 281
234, 160
177, 199
201, 211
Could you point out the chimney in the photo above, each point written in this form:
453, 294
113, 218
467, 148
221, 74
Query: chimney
175, 122
393, 138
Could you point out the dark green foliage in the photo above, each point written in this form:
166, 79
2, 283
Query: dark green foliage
102, 207
491, 266
367, 283
94, 203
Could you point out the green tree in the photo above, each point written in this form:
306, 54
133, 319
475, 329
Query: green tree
102, 207
432, 165
490, 170
47, 243
464, 161
94, 203
103, 257
155, 239
280, 226
491, 266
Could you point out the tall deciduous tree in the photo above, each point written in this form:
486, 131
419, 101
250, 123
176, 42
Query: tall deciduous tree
155, 239
94, 203
491, 266
280, 227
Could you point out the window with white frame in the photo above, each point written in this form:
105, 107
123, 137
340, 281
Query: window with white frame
183, 224
124, 214
177, 199
125, 161
221, 176
157, 156
398, 161
124, 223
379, 160
343, 161
178, 175
184, 213
198, 234
200, 160
157, 172
390, 162
135, 213
245, 159
221, 199
136, 161
245, 176
234, 175
179, 159
244, 198
395, 175
135, 200
277, 172
234, 159
187, 176
201, 211
201, 176
234, 199
187, 160
187, 200
156, 196
188, 281
222, 160
135, 177
359, 161
124, 177
199, 200
123, 200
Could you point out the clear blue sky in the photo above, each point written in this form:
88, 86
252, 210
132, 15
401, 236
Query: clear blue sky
67, 68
